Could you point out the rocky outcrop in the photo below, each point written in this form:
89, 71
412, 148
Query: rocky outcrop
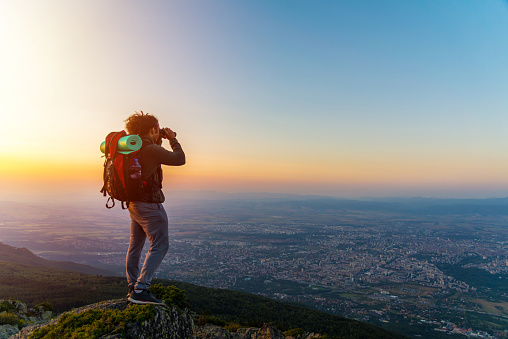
268, 332
216, 332
15, 314
6, 331
165, 323
212, 332
161, 322
168, 323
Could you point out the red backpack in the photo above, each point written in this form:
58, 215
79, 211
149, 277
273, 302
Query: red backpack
122, 172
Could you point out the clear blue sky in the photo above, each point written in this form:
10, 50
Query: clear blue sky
346, 98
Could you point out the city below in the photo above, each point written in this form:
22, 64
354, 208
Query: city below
397, 264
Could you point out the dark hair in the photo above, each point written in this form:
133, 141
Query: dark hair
140, 123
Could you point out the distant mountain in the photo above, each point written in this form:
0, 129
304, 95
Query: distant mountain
414, 206
202, 196
24, 256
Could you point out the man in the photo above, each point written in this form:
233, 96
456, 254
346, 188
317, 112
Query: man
148, 217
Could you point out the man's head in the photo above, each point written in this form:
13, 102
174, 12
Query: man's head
143, 125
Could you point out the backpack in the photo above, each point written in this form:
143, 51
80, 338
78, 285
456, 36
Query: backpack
122, 172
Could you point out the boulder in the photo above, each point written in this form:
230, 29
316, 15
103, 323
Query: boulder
212, 332
6, 331
216, 332
166, 323
268, 332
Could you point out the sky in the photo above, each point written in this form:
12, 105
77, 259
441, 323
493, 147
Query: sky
341, 98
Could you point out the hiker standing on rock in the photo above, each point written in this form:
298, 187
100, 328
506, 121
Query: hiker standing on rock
148, 217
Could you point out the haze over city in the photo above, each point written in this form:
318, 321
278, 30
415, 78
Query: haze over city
340, 98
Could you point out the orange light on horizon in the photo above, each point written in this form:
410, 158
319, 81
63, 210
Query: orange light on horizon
51, 173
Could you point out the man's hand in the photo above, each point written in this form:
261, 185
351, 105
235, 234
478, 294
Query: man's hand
167, 133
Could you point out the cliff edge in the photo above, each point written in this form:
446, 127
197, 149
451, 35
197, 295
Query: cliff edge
116, 319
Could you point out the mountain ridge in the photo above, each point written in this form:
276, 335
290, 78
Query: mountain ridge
22, 255
403, 206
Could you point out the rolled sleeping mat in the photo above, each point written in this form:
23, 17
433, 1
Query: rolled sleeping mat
126, 145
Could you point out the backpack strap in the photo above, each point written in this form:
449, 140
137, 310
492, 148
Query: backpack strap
107, 202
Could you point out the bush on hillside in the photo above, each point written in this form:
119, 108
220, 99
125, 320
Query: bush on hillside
92, 324
11, 319
295, 332
171, 295
233, 327
7, 305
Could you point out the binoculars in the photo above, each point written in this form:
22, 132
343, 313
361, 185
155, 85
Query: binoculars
163, 133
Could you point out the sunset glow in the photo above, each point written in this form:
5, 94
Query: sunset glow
345, 99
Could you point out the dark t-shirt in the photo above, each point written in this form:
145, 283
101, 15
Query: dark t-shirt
151, 157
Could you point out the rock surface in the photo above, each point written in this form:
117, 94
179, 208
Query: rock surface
36, 315
268, 332
6, 331
168, 322
217, 332
211, 332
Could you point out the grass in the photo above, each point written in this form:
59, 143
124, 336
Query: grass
500, 308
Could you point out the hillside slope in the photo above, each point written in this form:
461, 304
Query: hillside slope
24, 256
67, 289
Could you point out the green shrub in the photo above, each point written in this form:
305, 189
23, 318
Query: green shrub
94, 323
295, 332
34, 312
203, 319
45, 305
7, 305
172, 295
233, 327
11, 319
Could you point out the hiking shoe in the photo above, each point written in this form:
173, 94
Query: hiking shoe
144, 297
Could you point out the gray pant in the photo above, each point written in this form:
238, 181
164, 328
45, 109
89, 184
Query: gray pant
147, 220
